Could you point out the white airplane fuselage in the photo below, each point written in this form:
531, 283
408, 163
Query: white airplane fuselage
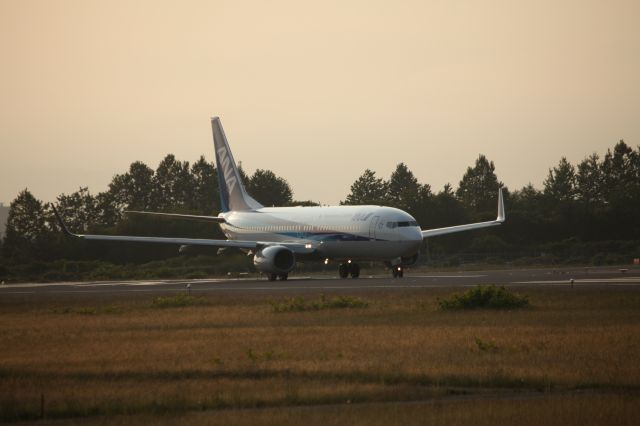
337, 232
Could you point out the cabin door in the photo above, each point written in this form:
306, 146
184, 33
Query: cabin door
372, 227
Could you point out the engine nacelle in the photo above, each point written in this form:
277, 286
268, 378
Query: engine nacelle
274, 260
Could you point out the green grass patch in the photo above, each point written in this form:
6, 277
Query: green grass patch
484, 297
178, 301
87, 310
300, 304
486, 345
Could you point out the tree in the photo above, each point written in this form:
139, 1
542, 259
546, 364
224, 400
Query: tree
206, 196
303, 203
26, 227
79, 209
443, 209
590, 180
173, 184
528, 218
621, 175
269, 189
367, 189
107, 213
132, 190
478, 188
404, 191
446, 210
618, 165
560, 184
528, 194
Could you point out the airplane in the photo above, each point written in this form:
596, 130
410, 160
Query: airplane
278, 237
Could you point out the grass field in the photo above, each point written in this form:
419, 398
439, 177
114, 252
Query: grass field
380, 358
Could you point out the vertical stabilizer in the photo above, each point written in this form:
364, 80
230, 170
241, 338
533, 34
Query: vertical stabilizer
233, 196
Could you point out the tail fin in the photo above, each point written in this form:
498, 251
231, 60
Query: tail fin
233, 196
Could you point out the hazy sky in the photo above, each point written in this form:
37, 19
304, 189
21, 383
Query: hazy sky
315, 91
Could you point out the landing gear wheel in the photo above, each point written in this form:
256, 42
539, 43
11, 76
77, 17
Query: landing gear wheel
397, 272
283, 277
273, 277
354, 270
346, 269
343, 270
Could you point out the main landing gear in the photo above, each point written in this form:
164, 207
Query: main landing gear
283, 277
346, 269
397, 271
353, 269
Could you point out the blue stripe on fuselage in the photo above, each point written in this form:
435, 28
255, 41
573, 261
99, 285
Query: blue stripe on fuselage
325, 236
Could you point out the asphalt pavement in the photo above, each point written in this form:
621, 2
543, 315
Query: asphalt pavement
605, 277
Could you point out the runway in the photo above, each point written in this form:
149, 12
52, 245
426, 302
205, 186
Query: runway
606, 277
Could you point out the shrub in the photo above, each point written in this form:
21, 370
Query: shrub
486, 346
299, 304
57, 276
88, 310
178, 301
262, 356
484, 297
452, 261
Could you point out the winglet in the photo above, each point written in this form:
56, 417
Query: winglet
61, 222
427, 233
501, 216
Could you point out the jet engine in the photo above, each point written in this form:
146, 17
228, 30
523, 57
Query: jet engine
274, 260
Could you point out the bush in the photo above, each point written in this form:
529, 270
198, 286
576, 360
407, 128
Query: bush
57, 276
299, 304
178, 301
484, 297
110, 309
486, 345
452, 261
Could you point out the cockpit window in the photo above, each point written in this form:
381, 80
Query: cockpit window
408, 223
402, 224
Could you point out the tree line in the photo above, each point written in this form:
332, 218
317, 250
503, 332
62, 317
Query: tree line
32, 231
582, 212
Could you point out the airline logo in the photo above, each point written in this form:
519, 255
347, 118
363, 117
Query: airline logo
227, 169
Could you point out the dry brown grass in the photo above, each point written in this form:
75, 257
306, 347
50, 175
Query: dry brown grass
584, 410
121, 357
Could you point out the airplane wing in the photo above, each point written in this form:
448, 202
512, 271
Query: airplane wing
215, 219
459, 228
297, 248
